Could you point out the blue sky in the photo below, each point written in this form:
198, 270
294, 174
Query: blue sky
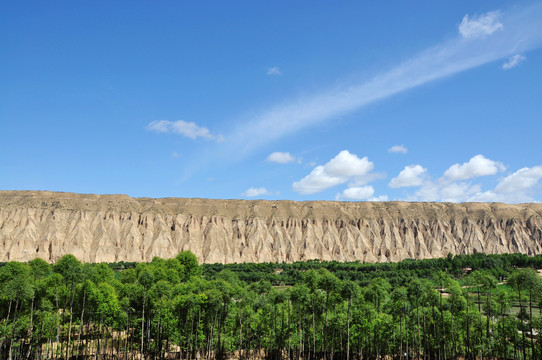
304, 100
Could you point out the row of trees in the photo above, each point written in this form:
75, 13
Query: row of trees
499, 265
167, 309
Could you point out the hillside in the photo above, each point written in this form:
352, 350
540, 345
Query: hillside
109, 228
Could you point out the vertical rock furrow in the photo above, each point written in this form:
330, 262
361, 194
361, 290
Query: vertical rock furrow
115, 227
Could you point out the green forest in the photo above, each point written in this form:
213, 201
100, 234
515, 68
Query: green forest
466, 306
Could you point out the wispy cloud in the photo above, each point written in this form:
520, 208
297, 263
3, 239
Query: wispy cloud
357, 193
274, 71
281, 157
184, 128
513, 61
253, 192
480, 26
477, 43
401, 149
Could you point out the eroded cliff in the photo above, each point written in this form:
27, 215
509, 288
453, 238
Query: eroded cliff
110, 228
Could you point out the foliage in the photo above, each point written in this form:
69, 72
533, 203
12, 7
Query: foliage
459, 306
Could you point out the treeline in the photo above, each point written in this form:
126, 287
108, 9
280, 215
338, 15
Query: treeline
397, 274
176, 309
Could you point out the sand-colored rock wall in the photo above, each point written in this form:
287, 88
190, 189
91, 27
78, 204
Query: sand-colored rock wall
111, 228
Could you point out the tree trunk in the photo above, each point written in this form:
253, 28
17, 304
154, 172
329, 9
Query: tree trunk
531, 320
348, 330
522, 326
325, 328
70, 327
313, 330
31, 328
143, 320
468, 328
240, 332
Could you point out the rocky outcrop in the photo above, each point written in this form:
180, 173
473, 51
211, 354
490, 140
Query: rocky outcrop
111, 228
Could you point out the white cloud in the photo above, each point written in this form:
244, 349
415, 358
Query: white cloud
342, 168
357, 193
274, 71
281, 157
398, 149
379, 198
411, 175
480, 26
184, 128
522, 32
318, 180
349, 165
520, 186
252, 192
175, 154
449, 192
522, 180
457, 192
476, 166
513, 61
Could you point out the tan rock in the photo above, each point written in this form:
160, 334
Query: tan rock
111, 228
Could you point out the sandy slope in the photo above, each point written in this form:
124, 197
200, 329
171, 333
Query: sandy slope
116, 227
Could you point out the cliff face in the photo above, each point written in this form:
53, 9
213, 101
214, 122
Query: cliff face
110, 228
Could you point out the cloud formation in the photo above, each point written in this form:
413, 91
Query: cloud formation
513, 61
357, 193
253, 192
448, 192
398, 149
281, 157
184, 128
342, 168
274, 71
475, 167
520, 31
520, 186
480, 26
456, 185
411, 175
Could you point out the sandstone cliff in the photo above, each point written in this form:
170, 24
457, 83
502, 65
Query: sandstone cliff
116, 227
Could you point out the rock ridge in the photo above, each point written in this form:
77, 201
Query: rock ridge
108, 228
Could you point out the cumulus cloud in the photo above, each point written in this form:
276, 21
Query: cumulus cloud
480, 26
513, 61
274, 71
281, 157
342, 168
520, 186
450, 192
475, 167
184, 128
357, 193
411, 175
379, 198
398, 149
456, 186
252, 192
